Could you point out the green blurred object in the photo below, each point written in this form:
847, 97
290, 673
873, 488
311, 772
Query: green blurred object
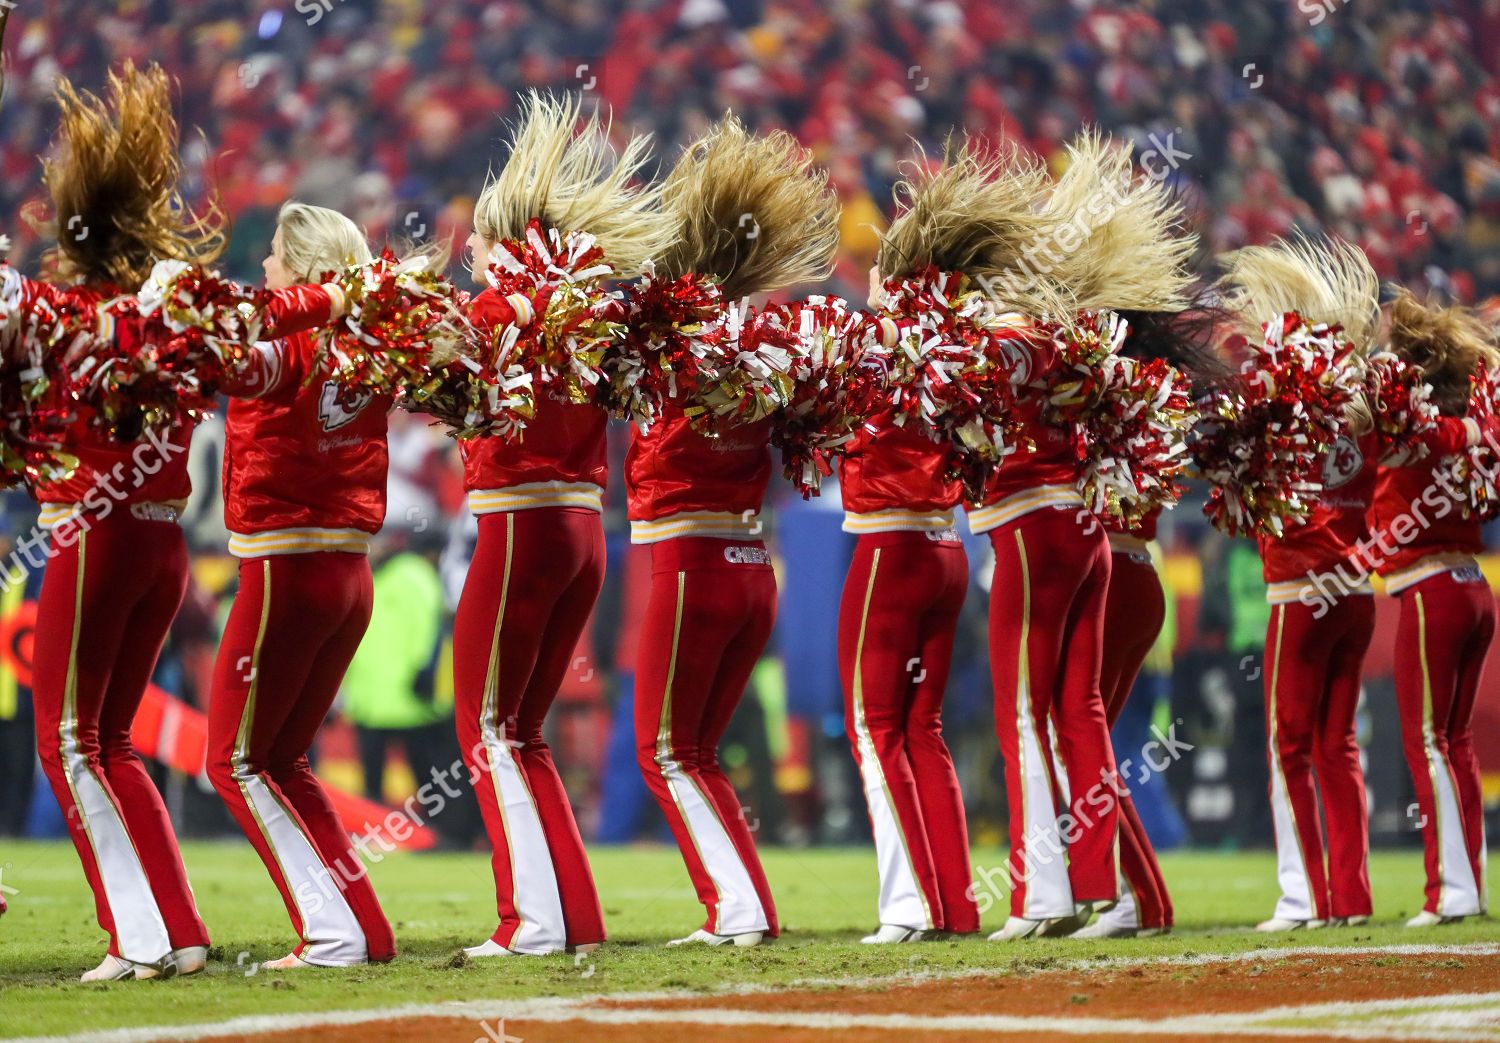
381, 688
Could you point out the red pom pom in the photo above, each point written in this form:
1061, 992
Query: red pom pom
1128, 418
954, 361
1475, 472
1401, 404
1265, 432
838, 384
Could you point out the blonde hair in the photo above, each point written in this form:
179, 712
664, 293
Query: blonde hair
569, 178
1324, 281
315, 240
1449, 345
1132, 255
113, 182
751, 211
978, 214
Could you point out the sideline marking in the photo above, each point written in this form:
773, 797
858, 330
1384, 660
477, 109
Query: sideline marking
1451, 1016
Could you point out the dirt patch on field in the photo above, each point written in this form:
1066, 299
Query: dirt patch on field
1141, 990
1184, 997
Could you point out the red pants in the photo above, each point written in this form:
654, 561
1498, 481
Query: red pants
707, 620
1134, 612
1046, 623
531, 587
1312, 691
896, 623
291, 633
107, 600
1446, 627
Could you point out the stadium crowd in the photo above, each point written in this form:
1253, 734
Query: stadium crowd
1381, 123
1378, 121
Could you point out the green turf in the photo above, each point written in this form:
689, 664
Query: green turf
439, 903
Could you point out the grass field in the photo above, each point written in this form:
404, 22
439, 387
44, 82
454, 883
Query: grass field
439, 903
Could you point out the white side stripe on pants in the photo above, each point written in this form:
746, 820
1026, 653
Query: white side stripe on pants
334, 936
902, 902
140, 931
739, 908
1458, 893
534, 891
1296, 902
1049, 892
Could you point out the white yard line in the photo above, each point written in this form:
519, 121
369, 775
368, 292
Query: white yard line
1442, 1017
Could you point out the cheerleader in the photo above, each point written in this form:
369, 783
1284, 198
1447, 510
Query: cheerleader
897, 620
118, 561
539, 561
304, 489
1047, 597
1134, 263
1134, 613
1426, 545
755, 217
1322, 608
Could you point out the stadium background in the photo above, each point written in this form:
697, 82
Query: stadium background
1372, 119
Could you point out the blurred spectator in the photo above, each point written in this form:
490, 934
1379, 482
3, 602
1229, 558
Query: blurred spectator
1378, 120
392, 693
18, 589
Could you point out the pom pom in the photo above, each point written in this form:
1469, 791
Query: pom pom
672, 346
1128, 419
191, 328
1266, 431
1401, 405
954, 366
572, 325
751, 376
1474, 473
403, 320
43, 337
838, 384
725, 364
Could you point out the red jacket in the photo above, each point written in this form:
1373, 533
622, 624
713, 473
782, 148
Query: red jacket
154, 470
1043, 475
681, 483
1337, 534
1417, 528
304, 467
560, 458
110, 475
892, 479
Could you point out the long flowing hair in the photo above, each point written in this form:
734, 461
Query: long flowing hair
1324, 281
978, 213
1126, 249
751, 211
113, 181
1448, 344
562, 172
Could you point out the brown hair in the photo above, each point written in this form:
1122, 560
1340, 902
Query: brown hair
1448, 344
116, 209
